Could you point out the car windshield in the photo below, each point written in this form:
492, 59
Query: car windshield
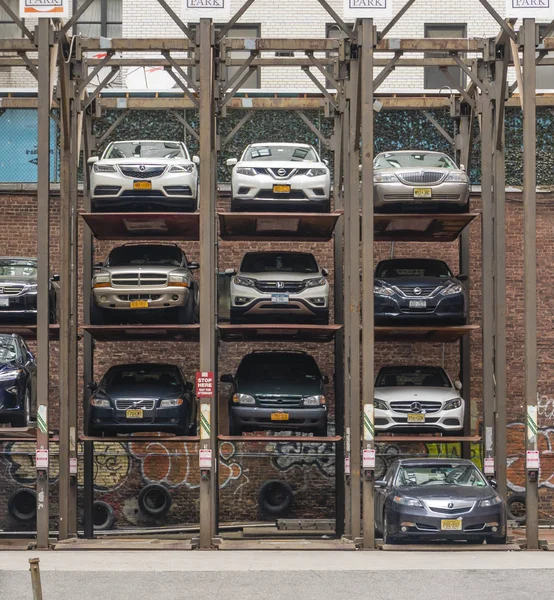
146, 150
278, 367
440, 474
283, 262
8, 351
145, 255
412, 377
409, 160
17, 268
281, 154
136, 377
412, 268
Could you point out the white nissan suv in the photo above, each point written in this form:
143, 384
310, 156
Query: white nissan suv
281, 286
280, 177
144, 175
417, 399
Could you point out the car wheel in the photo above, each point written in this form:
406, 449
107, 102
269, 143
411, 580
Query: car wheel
322, 320
275, 497
192, 429
52, 313
497, 539
517, 510
235, 206
320, 431
234, 429
97, 314
24, 419
185, 314
476, 541
387, 538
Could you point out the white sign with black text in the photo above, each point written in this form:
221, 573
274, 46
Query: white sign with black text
192, 10
542, 10
53, 9
367, 9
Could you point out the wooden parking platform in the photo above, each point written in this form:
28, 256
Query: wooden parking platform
141, 438
149, 332
278, 332
421, 227
450, 547
144, 226
282, 544
123, 543
426, 438
17, 434
279, 438
29, 332
427, 333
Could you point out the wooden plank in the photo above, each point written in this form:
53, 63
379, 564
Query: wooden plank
139, 438
451, 547
422, 438
277, 332
116, 333
429, 333
123, 544
286, 545
29, 332
421, 227
279, 438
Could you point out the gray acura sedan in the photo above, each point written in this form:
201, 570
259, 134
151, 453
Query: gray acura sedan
416, 181
436, 499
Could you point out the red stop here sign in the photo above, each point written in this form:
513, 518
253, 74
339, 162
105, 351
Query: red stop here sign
204, 384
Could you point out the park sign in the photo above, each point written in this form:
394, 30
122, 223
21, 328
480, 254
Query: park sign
192, 10
51, 9
367, 9
541, 10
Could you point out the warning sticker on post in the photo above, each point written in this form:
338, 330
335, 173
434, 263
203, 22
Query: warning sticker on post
489, 466
41, 458
205, 458
204, 384
368, 461
533, 460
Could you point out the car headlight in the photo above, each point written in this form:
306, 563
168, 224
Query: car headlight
314, 401
243, 399
10, 375
383, 290
182, 169
491, 501
408, 501
176, 280
100, 281
104, 168
380, 404
384, 178
457, 178
455, 288
100, 402
31, 288
171, 403
451, 404
245, 171
316, 172
246, 281
309, 283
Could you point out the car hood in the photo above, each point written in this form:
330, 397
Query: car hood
286, 387
416, 393
286, 164
279, 276
143, 161
162, 270
421, 281
444, 492
399, 171
140, 392
13, 279
7, 367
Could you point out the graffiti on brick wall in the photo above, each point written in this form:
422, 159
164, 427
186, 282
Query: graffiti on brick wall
516, 459
112, 465
291, 455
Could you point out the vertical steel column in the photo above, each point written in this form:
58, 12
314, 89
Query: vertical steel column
43, 229
530, 267
368, 337
208, 275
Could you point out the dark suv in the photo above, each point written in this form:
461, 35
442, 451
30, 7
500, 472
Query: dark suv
277, 390
142, 397
413, 290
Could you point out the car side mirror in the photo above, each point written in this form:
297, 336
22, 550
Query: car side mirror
325, 272
325, 162
380, 483
92, 160
458, 385
55, 278
193, 266
325, 379
493, 483
230, 271
189, 387
99, 265
462, 167
93, 386
231, 162
196, 160
227, 378
462, 277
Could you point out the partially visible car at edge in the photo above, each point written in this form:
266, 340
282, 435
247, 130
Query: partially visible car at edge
435, 499
144, 175
142, 397
280, 177
18, 392
279, 286
417, 399
418, 291
414, 181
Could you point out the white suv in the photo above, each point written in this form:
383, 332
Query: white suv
287, 285
417, 398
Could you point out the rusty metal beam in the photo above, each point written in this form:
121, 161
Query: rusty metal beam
389, 68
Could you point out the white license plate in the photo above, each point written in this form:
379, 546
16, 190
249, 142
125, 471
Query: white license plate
451, 524
4, 301
280, 298
418, 303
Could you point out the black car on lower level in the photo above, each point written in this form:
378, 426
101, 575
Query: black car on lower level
436, 499
277, 390
142, 397
418, 291
18, 374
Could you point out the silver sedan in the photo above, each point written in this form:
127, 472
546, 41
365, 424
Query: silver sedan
411, 180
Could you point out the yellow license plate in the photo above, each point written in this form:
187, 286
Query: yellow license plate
281, 189
142, 185
134, 413
279, 416
451, 524
423, 192
139, 303
416, 418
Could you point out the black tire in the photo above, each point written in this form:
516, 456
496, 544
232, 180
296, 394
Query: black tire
387, 539
97, 314
234, 428
185, 314
23, 419
22, 505
235, 206
322, 320
517, 509
52, 313
320, 431
275, 497
103, 516
476, 541
154, 500
497, 539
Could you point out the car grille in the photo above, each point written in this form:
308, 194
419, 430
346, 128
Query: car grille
451, 511
142, 194
136, 172
140, 278
410, 197
143, 404
426, 290
10, 290
106, 190
280, 173
288, 287
423, 311
422, 177
178, 190
428, 420
276, 401
130, 297
405, 406
292, 195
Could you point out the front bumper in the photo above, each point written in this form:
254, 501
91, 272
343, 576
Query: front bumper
394, 194
443, 420
258, 417
448, 309
22, 305
158, 419
158, 298
11, 404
